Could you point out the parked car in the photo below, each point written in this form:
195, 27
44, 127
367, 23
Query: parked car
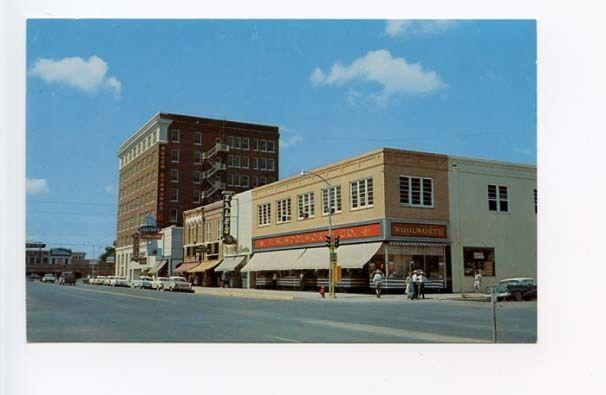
33, 277
99, 280
142, 282
519, 288
107, 280
67, 278
177, 283
158, 283
120, 282
48, 278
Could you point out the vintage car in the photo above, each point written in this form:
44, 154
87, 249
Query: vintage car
99, 280
518, 289
158, 283
120, 282
33, 277
142, 282
48, 278
67, 278
177, 283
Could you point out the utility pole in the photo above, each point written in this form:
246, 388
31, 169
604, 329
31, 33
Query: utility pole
332, 257
493, 300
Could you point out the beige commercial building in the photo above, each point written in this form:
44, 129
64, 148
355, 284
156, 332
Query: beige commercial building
397, 211
390, 209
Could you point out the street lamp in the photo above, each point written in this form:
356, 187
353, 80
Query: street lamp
331, 248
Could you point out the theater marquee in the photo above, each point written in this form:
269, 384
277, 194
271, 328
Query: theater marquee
418, 230
352, 232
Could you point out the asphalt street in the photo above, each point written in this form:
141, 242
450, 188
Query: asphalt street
103, 314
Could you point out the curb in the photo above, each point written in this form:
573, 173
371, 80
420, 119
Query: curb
247, 296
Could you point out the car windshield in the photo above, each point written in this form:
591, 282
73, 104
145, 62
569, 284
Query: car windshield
178, 279
509, 282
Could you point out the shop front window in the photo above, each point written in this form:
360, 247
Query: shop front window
478, 258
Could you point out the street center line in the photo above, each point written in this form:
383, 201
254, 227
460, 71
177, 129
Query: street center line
405, 333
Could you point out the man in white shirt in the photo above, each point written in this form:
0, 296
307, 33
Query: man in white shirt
477, 281
415, 280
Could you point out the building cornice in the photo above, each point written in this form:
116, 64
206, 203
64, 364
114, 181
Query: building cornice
154, 122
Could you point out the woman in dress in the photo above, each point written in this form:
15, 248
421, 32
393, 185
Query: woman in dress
410, 290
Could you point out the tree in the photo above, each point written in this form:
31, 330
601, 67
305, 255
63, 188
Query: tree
109, 251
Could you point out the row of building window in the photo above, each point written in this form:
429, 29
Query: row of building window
362, 196
242, 162
244, 143
194, 232
414, 192
234, 142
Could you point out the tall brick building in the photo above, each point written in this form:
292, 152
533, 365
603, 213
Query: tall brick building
177, 162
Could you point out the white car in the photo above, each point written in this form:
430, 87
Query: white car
158, 283
48, 278
108, 280
142, 282
99, 280
177, 283
120, 282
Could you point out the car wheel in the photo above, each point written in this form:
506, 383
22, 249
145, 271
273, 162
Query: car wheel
517, 296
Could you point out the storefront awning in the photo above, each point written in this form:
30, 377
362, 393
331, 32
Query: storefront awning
204, 266
274, 261
157, 266
420, 248
230, 263
184, 267
355, 256
314, 258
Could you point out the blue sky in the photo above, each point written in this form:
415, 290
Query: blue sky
335, 88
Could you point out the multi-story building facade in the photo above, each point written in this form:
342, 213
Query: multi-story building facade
493, 212
390, 209
397, 211
206, 256
176, 162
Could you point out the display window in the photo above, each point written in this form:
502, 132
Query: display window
478, 259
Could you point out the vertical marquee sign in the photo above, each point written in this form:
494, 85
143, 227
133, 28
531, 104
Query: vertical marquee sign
227, 198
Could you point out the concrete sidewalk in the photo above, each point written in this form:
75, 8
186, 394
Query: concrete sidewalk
311, 295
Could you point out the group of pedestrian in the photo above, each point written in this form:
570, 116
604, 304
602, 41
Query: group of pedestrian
415, 285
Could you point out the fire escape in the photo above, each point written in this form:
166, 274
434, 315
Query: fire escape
214, 161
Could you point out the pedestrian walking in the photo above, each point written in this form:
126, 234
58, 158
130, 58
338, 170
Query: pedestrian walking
414, 278
421, 284
301, 281
224, 280
410, 292
274, 280
378, 282
477, 281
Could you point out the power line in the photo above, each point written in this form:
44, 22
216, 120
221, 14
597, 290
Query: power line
84, 203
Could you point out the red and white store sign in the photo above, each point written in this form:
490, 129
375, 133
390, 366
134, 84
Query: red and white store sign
352, 232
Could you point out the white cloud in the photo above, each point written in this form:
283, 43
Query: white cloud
352, 97
395, 28
36, 186
289, 138
88, 75
395, 75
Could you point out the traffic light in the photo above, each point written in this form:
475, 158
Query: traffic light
328, 241
336, 241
